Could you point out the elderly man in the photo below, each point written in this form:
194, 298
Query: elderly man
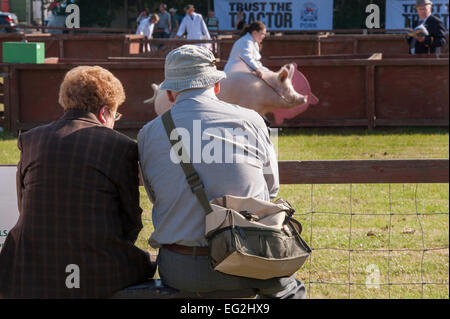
194, 26
78, 197
429, 31
227, 163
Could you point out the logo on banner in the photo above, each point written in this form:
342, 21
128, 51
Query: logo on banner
310, 12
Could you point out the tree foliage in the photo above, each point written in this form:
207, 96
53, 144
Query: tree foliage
351, 14
348, 14
98, 12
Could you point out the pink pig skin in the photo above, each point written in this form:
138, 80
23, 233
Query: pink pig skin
301, 85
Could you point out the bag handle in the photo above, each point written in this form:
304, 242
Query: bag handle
192, 177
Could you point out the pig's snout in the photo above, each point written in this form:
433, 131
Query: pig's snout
300, 99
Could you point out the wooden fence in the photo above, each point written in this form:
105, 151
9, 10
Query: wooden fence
101, 46
360, 90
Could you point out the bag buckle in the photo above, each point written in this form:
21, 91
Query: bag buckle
291, 209
194, 182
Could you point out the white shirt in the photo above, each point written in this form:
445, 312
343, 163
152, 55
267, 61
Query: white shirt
145, 28
247, 48
194, 26
177, 214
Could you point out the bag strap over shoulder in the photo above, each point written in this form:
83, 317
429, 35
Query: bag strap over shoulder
192, 177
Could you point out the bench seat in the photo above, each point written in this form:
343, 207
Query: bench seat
154, 289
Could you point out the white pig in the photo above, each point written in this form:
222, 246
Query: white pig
245, 89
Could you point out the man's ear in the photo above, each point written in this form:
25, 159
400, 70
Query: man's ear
101, 114
170, 96
217, 88
283, 75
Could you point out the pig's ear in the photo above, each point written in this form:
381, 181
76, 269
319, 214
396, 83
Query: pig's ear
291, 69
283, 75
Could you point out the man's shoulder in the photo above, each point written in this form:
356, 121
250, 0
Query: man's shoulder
435, 20
150, 128
243, 113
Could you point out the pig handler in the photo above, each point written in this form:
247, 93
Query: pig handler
245, 52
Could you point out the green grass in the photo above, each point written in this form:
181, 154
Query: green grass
372, 229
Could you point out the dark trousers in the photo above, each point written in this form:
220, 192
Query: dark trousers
195, 274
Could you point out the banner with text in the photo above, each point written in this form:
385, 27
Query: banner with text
401, 14
8, 199
277, 14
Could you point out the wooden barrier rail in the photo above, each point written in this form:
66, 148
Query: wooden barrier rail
68, 30
370, 90
402, 171
220, 32
101, 46
364, 171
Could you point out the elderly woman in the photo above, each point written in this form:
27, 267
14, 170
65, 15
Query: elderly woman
78, 198
247, 48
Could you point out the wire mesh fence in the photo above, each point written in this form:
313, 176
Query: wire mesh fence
380, 230
386, 253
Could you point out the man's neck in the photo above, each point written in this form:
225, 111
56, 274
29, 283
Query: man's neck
191, 93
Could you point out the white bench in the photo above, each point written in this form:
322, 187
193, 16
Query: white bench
9, 213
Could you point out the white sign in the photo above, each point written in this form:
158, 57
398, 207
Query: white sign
9, 213
277, 14
401, 14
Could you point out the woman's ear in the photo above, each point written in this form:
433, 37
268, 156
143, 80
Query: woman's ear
101, 114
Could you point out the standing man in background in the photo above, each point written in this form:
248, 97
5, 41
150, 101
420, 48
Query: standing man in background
194, 26
175, 20
212, 24
429, 31
164, 24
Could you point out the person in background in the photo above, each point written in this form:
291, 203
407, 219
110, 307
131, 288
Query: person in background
78, 198
212, 23
50, 16
143, 15
194, 26
175, 21
164, 25
147, 29
141, 20
247, 48
423, 43
56, 17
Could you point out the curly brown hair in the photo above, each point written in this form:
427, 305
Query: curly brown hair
90, 88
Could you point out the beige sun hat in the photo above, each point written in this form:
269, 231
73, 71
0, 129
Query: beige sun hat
190, 67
